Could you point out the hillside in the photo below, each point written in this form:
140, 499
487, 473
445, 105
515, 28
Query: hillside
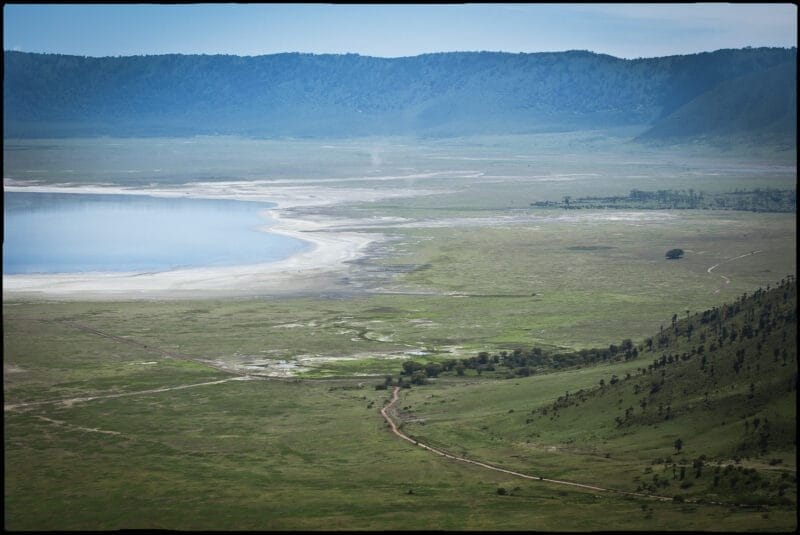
761, 104
704, 410
445, 94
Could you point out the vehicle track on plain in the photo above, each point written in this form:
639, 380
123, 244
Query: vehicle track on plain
727, 279
152, 349
240, 376
81, 399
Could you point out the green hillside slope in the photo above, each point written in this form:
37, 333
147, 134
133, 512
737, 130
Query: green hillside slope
705, 410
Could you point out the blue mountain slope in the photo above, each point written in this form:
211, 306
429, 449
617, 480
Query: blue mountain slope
445, 94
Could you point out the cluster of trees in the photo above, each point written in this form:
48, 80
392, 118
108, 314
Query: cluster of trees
754, 488
756, 200
524, 362
516, 363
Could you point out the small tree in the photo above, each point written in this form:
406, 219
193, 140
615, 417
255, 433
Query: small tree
419, 378
409, 367
432, 369
674, 254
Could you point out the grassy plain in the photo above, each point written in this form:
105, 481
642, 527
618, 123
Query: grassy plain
280, 454
471, 268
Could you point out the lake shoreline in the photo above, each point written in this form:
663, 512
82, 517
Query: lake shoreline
312, 271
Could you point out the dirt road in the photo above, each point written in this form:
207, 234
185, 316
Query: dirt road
388, 409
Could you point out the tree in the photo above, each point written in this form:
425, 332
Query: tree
419, 378
697, 464
409, 367
674, 254
432, 369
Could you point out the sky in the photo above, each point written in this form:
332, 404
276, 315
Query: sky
395, 30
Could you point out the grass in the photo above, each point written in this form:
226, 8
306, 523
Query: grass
280, 455
527, 424
314, 453
484, 281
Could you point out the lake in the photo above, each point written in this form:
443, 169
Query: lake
75, 233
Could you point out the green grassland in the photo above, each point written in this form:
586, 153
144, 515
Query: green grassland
471, 289
475, 270
315, 454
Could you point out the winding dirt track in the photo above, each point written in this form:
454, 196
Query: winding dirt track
385, 412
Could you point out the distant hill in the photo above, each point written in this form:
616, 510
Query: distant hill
446, 94
761, 104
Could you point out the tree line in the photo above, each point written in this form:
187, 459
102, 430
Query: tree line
756, 200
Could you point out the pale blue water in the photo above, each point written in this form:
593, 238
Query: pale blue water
71, 233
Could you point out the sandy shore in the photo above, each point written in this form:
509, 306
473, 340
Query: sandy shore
314, 270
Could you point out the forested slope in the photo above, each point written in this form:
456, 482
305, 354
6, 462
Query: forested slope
444, 94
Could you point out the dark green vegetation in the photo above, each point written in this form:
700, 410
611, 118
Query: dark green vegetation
744, 94
702, 411
718, 426
758, 200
